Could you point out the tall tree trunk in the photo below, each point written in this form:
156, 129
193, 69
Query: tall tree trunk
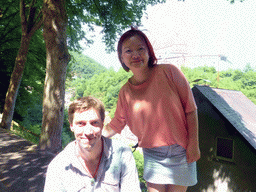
57, 58
28, 26
15, 81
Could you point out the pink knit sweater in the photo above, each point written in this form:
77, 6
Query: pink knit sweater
155, 110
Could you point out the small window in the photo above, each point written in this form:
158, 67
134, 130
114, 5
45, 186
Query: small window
225, 149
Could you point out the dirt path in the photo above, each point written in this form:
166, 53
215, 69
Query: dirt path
22, 167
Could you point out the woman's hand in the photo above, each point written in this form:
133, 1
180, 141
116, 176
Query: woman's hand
108, 132
193, 152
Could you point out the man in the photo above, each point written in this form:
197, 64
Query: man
91, 162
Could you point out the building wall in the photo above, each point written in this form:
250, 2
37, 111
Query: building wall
216, 174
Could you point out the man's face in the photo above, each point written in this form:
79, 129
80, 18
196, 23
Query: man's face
87, 127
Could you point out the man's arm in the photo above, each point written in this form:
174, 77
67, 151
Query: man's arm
52, 183
129, 176
193, 151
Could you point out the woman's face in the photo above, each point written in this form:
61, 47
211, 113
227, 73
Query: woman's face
135, 53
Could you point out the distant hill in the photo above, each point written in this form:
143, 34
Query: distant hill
82, 66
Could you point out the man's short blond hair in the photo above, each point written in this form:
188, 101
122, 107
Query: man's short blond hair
83, 104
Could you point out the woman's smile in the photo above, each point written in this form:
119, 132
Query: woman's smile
135, 53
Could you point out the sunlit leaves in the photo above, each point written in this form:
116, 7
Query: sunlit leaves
33, 76
234, 79
113, 16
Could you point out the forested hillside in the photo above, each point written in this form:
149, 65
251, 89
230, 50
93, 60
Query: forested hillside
81, 68
87, 77
106, 85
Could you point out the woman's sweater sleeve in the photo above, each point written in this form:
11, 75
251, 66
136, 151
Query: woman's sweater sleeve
119, 120
183, 88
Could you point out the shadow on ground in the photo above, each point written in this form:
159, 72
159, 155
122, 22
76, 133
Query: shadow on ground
22, 167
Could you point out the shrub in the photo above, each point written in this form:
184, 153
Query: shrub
140, 167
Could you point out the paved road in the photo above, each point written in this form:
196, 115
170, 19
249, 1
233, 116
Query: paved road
22, 167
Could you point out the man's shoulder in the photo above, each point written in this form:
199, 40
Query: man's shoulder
116, 144
64, 156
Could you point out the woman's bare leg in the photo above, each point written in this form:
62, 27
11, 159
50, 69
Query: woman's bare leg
176, 188
156, 187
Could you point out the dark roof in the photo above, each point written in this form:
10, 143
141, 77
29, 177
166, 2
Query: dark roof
236, 108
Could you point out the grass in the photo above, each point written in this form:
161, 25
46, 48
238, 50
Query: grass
24, 133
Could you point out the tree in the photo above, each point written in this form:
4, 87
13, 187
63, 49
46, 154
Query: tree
55, 25
113, 16
10, 39
29, 26
29, 99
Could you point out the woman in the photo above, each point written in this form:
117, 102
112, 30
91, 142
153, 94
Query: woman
158, 106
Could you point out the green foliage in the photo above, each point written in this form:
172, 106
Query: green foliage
10, 34
67, 135
31, 117
112, 16
233, 79
31, 85
139, 164
82, 66
106, 86
26, 134
80, 69
207, 75
90, 78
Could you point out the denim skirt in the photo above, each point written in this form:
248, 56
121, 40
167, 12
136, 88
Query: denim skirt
168, 165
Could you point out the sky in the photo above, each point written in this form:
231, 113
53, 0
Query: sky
194, 33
